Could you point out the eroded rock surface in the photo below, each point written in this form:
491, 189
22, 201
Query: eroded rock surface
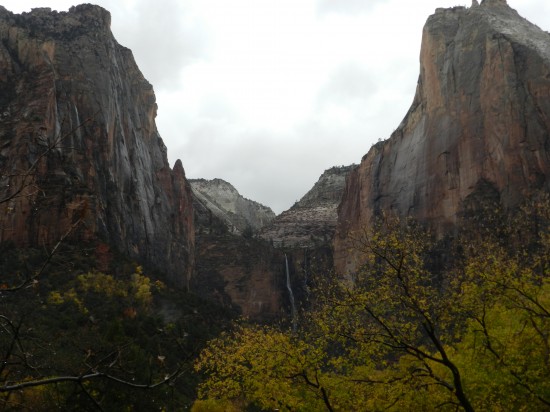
79, 145
244, 274
480, 118
311, 222
225, 202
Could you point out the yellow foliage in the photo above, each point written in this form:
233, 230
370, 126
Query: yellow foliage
55, 298
401, 338
263, 366
214, 405
141, 287
101, 283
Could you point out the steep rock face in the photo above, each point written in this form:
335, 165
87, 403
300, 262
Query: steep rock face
224, 201
311, 221
79, 145
480, 119
233, 268
244, 274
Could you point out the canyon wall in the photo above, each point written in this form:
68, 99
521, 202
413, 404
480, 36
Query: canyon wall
233, 267
79, 149
480, 121
246, 270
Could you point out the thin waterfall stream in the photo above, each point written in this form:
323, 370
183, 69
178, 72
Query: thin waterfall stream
293, 313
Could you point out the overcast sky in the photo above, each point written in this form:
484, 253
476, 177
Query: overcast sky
267, 94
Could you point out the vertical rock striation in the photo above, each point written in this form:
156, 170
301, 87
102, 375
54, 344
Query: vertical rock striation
480, 120
78, 140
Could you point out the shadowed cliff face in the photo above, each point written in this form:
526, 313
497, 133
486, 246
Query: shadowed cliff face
76, 112
238, 271
245, 274
480, 118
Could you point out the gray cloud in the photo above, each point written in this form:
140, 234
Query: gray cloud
267, 168
277, 169
167, 36
346, 6
349, 81
537, 12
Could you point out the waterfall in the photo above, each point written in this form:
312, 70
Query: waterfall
291, 297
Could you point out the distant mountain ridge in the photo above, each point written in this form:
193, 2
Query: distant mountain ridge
239, 214
312, 220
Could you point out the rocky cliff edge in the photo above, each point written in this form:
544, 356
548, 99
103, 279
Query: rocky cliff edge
78, 139
480, 119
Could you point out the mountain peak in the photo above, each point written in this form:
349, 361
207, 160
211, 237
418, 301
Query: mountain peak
73, 101
481, 114
225, 202
494, 3
312, 220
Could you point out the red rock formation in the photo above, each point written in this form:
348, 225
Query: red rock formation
78, 136
239, 272
480, 119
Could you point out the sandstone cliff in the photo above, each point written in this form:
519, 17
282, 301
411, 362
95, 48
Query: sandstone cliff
225, 202
79, 144
480, 120
311, 222
247, 274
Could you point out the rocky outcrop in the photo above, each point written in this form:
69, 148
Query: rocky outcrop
79, 148
226, 203
480, 119
311, 222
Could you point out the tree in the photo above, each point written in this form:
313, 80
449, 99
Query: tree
507, 340
397, 307
266, 367
407, 333
25, 353
64, 337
